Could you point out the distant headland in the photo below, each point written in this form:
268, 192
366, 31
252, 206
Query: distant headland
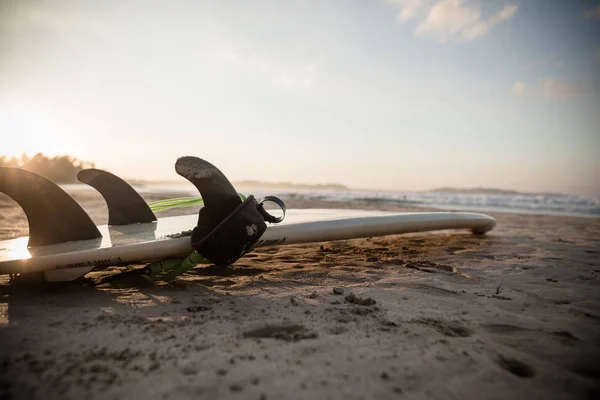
290, 185
484, 190
476, 190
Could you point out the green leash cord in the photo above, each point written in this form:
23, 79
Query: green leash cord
168, 204
170, 269
175, 266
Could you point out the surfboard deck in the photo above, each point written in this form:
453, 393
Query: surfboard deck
152, 241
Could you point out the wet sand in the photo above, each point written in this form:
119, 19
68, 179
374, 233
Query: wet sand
514, 314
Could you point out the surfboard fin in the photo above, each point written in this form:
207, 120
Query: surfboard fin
125, 205
53, 216
214, 187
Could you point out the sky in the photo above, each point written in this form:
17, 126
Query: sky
377, 94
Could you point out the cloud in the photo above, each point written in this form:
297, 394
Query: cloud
546, 87
552, 89
518, 88
408, 8
593, 13
446, 20
455, 19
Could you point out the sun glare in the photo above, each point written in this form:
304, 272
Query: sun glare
31, 132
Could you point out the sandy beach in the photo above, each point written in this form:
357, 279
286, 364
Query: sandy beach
514, 314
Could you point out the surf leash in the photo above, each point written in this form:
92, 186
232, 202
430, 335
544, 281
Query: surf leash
172, 268
166, 270
229, 224
177, 202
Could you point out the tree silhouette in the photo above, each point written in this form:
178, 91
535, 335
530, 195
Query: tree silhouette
59, 169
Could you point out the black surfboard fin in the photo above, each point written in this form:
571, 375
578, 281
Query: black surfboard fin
125, 205
53, 216
214, 187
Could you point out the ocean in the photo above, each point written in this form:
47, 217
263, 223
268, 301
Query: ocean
550, 204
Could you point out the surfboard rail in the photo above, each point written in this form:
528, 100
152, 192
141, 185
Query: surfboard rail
140, 243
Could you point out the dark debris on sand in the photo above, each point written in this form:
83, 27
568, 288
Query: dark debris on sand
361, 301
289, 333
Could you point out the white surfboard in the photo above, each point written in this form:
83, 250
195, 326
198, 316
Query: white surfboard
146, 242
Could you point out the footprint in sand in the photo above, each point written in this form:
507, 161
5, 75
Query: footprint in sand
516, 367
